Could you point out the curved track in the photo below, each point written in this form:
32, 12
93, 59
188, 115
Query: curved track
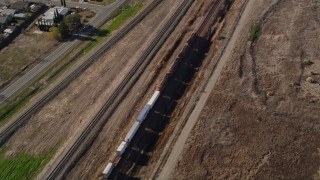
11, 127
151, 48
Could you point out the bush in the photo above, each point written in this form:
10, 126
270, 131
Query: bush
64, 30
307, 62
55, 33
255, 32
73, 21
221, 38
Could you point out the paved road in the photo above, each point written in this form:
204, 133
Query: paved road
12, 90
179, 144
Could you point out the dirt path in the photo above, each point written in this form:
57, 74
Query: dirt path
179, 144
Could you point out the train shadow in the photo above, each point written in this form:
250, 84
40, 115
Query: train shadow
148, 136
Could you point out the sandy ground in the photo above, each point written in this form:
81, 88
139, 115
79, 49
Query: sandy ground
67, 114
262, 118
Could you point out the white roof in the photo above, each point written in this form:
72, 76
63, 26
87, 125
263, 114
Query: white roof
49, 15
8, 31
8, 12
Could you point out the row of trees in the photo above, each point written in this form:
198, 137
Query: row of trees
69, 25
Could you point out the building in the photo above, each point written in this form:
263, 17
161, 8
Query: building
20, 16
4, 21
8, 12
49, 16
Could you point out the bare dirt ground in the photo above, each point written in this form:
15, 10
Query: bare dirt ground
68, 113
262, 118
23, 53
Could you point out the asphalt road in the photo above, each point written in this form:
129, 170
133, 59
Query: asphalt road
178, 147
102, 15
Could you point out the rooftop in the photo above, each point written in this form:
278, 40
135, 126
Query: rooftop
49, 15
8, 12
3, 19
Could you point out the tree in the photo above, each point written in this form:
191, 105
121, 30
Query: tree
63, 28
55, 33
73, 21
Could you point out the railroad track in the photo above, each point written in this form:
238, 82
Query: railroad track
177, 15
9, 129
201, 30
147, 53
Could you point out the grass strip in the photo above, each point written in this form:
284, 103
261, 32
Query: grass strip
123, 15
22, 165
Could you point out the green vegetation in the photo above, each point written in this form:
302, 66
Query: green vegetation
255, 32
73, 22
21, 165
221, 38
102, 2
70, 24
55, 33
121, 17
307, 62
18, 103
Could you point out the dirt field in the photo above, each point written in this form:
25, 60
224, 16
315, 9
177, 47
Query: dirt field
18, 57
261, 120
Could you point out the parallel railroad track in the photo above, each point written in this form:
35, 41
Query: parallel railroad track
201, 30
150, 51
8, 130
177, 14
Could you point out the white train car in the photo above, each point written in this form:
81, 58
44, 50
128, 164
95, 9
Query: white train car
123, 146
107, 171
154, 98
143, 113
132, 132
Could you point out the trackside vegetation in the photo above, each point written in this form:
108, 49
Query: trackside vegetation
121, 17
255, 32
21, 166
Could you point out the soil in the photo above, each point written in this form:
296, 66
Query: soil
262, 118
19, 56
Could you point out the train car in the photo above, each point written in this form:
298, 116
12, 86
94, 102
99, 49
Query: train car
132, 132
107, 171
154, 98
143, 113
122, 147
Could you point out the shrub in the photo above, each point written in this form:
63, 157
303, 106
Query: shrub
55, 33
307, 62
255, 32
221, 38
